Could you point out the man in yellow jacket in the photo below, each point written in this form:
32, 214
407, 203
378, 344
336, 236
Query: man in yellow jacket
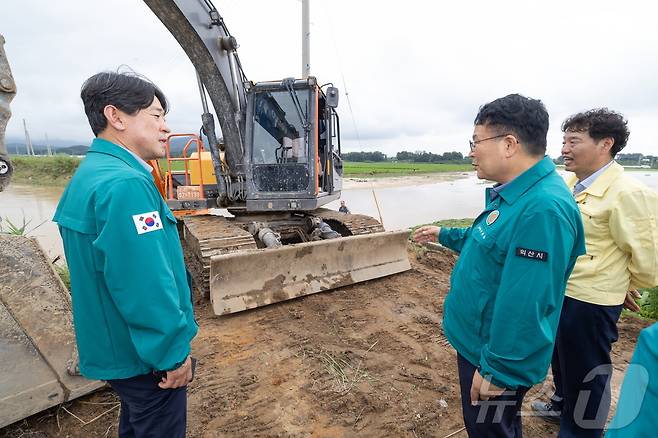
620, 216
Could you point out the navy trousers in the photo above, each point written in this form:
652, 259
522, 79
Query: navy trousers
149, 411
582, 367
497, 417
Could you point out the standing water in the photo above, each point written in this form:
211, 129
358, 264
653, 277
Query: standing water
36, 206
449, 196
403, 202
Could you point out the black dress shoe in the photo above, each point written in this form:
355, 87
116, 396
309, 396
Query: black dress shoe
547, 411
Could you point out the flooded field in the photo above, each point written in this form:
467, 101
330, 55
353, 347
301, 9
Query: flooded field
408, 201
403, 201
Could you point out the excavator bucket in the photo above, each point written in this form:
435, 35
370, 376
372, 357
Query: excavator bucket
38, 357
255, 278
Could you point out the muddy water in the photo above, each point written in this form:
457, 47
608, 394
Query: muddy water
455, 195
36, 205
403, 202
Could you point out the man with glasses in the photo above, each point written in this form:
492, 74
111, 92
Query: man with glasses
507, 287
620, 216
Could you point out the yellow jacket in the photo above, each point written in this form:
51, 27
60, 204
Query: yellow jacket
620, 216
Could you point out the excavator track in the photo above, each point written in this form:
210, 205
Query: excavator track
206, 236
209, 235
237, 275
356, 224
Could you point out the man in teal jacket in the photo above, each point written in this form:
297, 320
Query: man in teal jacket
507, 287
132, 306
638, 402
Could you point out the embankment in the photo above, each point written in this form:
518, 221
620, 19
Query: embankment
58, 170
54, 170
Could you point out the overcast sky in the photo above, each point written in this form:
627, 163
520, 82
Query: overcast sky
416, 71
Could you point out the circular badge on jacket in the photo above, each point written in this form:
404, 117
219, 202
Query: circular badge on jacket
492, 217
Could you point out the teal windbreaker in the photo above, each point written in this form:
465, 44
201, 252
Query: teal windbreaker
507, 288
638, 401
132, 308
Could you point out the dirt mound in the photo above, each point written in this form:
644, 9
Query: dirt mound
364, 360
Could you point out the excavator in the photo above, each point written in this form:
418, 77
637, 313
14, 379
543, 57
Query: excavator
277, 163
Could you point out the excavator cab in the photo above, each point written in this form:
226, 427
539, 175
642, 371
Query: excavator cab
293, 157
293, 161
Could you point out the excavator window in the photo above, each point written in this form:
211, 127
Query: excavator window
278, 135
280, 151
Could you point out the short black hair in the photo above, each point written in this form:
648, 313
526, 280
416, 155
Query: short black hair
521, 116
128, 91
600, 123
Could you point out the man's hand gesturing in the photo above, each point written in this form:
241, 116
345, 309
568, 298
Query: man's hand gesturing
426, 233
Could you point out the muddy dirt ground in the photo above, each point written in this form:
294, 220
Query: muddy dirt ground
367, 360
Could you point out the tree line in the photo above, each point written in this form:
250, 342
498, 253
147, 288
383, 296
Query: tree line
414, 157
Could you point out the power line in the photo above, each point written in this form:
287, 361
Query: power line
342, 75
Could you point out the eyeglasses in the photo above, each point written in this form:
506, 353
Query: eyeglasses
472, 143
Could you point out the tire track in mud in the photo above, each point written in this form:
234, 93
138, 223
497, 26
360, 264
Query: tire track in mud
367, 360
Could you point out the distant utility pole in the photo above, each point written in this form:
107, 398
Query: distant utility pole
306, 39
28, 142
48, 148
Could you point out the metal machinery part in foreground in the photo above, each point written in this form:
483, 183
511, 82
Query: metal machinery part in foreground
237, 280
7, 93
38, 357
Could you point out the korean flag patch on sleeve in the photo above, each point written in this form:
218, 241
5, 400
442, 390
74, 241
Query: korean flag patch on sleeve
147, 222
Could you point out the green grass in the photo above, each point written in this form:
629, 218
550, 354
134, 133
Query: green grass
649, 303
375, 169
58, 170
459, 223
648, 306
8, 227
465, 222
64, 274
175, 165
55, 170
389, 168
